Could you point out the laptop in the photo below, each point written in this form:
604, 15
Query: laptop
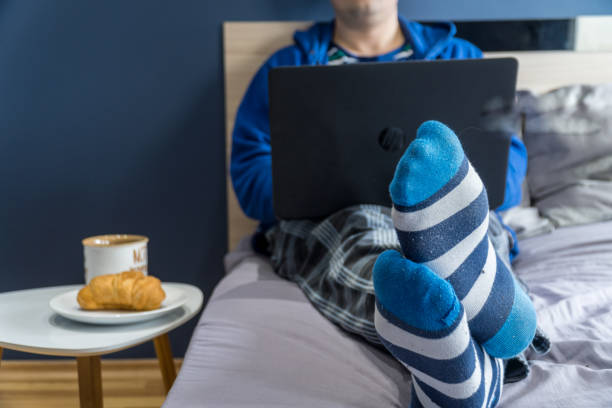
337, 132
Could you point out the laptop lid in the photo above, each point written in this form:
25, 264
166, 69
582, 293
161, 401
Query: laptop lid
337, 132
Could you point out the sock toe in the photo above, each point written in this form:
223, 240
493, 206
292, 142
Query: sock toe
413, 293
420, 321
430, 161
518, 330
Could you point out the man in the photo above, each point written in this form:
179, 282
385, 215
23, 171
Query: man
363, 30
348, 277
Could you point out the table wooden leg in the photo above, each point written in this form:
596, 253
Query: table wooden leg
166, 362
90, 381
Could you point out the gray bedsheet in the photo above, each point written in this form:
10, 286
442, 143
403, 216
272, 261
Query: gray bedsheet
259, 343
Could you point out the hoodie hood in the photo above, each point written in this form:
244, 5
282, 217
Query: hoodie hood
427, 41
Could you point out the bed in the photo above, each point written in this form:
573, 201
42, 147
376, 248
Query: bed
259, 341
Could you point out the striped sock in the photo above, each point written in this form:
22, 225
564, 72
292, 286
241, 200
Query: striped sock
441, 215
420, 320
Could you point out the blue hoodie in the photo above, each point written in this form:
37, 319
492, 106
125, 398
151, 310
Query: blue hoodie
251, 168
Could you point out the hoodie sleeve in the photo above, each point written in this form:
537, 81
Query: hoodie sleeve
517, 170
251, 160
251, 163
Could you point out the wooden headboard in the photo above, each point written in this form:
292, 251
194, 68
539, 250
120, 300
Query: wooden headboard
247, 45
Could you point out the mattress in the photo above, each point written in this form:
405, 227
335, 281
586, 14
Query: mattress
259, 342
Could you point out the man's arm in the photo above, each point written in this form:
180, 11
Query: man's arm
251, 163
251, 160
517, 170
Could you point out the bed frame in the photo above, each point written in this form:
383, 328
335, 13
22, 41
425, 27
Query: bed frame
248, 44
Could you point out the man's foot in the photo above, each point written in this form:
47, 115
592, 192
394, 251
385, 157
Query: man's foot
441, 215
420, 320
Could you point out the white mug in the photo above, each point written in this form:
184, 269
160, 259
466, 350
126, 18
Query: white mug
114, 253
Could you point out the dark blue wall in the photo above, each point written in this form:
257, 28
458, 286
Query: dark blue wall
111, 120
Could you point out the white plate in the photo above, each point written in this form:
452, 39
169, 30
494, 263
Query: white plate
66, 305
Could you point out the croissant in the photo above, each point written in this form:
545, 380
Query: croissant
130, 290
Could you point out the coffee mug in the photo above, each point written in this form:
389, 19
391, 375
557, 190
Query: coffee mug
114, 253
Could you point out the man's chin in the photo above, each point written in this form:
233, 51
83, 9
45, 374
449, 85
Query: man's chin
362, 12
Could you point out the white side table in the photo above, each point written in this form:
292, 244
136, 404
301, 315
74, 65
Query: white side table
28, 324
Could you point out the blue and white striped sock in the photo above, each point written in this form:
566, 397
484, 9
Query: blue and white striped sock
441, 215
420, 320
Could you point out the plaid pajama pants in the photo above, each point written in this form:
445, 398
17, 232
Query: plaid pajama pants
331, 261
